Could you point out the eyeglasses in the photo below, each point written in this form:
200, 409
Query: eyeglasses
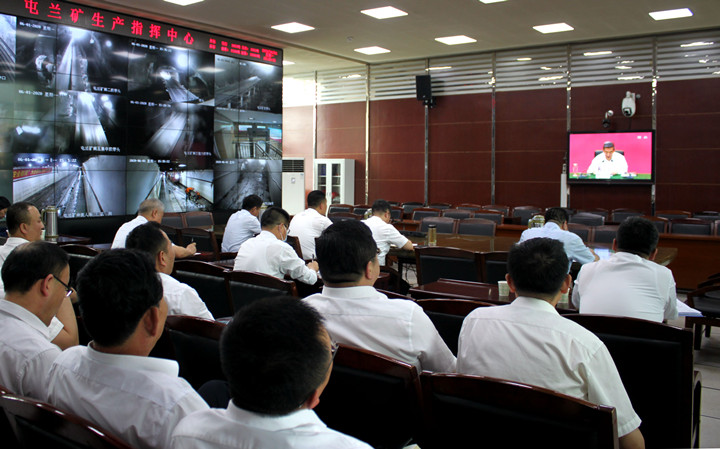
333, 350
68, 289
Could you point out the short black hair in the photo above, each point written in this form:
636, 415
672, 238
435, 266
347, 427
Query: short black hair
343, 251
31, 262
557, 214
381, 206
316, 198
115, 289
4, 203
538, 266
274, 216
273, 355
637, 235
251, 201
18, 214
147, 238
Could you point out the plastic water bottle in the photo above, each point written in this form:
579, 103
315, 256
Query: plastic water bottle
432, 235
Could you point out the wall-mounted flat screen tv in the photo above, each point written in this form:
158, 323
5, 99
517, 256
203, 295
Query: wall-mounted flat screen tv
623, 157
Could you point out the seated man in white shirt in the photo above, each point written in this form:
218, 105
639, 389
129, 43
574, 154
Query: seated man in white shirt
358, 315
112, 382
151, 209
181, 298
269, 253
310, 223
608, 163
36, 276
528, 341
556, 219
24, 225
383, 232
243, 224
277, 357
629, 283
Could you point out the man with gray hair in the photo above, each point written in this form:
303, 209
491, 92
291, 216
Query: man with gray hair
152, 209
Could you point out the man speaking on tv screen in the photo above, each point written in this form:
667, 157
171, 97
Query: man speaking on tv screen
608, 163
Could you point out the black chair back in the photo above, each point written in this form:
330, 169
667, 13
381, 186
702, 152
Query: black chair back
383, 394
620, 215
604, 234
79, 255
457, 213
691, 226
447, 315
525, 213
588, 219
423, 212
174, 220
662, 224
173, 234
673, 214
505, 210
339, 208
495, 216
581, 230
409, 206
444, 225
342, 216
653, 357
198, 219
246, 287
209, 281
477, 226
459, 409
494, 266
396, 212
204, 239
434, 262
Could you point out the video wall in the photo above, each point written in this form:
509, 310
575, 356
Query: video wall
95, 122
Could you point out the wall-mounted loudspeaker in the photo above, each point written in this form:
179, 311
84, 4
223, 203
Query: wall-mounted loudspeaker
423, 87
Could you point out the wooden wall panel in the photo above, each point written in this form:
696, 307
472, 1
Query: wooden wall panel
298, 138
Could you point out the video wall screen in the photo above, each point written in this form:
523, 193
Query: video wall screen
95, 122
625, 157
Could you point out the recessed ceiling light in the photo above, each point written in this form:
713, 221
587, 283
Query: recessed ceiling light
671, 14
386, 12
553, 28
183, 2
524, 59
286, 62
292, 27
697, 44
597, 53
492, 1
445, 67
455, 40
372, 50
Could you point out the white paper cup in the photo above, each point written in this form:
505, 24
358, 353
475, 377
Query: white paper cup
503, 289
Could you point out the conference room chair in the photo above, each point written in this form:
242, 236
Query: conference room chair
340, 208
597, 211
294, 241
497, 413
209, 282
78, 255
493, 215
469, 206
372, 397
662, 224
421, 212
198, 219
444, 225
6, 432
205, 242
673, 214
245, 287
493, 266
360, 209
525, 213
396, 213
582, 230
435, 262
587, 218
195, 345
336, 217
604, 234
505, 210
410, 206
621, 214
173, 234
655, 362
457, 213
717, 227
477, 226
707, 300
441, 206
713, 279
447, 315
174, 220
37, 424
707, 215
691, 226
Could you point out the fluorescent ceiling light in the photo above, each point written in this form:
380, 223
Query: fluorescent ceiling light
545, 68
627, 62
492, 1
553, 28
455, 40
375, 50
445, 67
550, 78
597, 53
386, 12
286, 62
353, 76
697, 44
704, 61
671, 14
628, 78
623, 67
524, 59
292, 27
183, 2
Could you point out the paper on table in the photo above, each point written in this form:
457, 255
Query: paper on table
686, 310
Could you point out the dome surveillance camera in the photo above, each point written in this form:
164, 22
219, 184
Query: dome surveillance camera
628, 104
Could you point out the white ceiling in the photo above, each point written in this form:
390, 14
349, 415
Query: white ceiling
340, 27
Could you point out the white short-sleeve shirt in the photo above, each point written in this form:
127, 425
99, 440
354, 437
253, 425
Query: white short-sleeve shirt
123, 231
306, 226
266, 254
183, 299
573, 244
385, 235
241, 226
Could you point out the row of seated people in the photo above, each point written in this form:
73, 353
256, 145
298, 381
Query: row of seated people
351, 267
